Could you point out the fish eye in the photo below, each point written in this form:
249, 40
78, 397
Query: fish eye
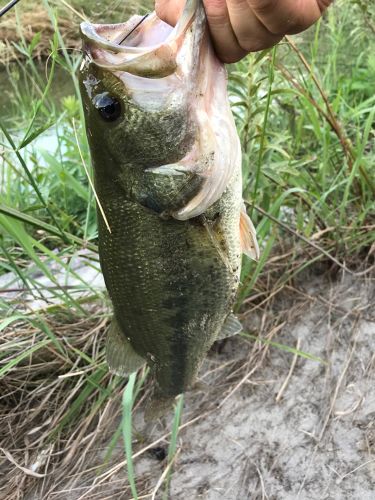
109, 107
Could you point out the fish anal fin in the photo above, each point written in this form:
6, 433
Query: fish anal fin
158, 406
231, 327
248, 237
121, 357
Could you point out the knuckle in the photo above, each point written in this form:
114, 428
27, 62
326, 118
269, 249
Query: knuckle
262, 6
288, 25
279, 20
215, 8
166, 12
229, 58
324, 4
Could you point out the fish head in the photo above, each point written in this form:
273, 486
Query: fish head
156, 95
136, 83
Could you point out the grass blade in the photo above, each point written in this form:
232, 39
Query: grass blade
49, 228
284, 347
173, 443
127, 406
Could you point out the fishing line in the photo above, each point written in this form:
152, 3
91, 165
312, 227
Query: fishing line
5, 9
135, 27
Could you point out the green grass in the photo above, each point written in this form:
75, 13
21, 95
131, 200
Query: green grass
127, 431
172, 449
305, 114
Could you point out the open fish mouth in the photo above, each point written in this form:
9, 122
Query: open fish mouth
144, 45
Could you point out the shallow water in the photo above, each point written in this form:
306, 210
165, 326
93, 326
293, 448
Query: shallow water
19, 95
18, 90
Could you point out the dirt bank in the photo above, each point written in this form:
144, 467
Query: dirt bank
303, 430
22, 31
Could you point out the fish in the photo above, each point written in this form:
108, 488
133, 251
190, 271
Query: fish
172, 224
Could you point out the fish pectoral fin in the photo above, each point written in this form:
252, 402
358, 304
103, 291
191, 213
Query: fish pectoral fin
171, 186
121, 357
170, 169
232, 326
215, 239
248, 237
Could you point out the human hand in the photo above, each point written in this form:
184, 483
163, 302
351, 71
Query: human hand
241, 26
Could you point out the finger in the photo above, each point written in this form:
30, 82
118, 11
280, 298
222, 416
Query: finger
251, 34
169, 11
282, 17
225, 42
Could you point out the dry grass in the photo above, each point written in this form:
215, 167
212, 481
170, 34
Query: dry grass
50, 401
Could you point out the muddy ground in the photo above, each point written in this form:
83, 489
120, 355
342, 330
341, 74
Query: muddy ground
271, 425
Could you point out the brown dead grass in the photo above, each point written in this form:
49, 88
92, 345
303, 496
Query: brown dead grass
38, 396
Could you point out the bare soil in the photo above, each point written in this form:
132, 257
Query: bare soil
33, 18
317, 439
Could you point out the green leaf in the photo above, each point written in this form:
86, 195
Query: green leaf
127, 405
35, 41
36, 133
25, 354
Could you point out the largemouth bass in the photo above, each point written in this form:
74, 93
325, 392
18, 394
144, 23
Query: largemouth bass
167, 166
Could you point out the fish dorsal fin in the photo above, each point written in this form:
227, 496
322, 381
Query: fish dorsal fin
121, 357
231, 327
248, 237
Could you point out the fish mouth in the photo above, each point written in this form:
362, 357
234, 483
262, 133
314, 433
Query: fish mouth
144, 46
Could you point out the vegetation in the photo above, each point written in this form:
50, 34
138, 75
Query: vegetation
305, 114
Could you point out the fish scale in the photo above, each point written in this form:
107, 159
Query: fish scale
178, 295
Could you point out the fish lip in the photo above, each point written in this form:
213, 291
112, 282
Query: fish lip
102, 43
90, 31
92, 38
